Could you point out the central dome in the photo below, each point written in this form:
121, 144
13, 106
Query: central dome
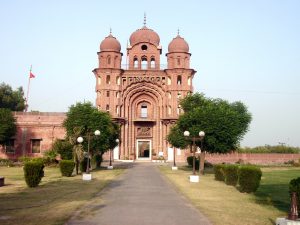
144, 35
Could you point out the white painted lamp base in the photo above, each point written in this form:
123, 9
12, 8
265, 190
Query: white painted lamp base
174, 168
110, 167
284, 221
86, 176
194, 178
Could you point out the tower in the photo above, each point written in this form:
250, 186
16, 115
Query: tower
143, 97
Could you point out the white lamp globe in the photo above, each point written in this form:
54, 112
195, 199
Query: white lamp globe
117, 140
186, 133
97, 132
201, 133
80, 139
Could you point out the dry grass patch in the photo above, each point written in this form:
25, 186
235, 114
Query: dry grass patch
53, 202
221, 203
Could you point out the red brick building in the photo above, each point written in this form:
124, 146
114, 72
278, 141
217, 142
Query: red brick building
143, 96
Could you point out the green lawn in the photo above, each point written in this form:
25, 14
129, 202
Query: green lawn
53, 202
224, 204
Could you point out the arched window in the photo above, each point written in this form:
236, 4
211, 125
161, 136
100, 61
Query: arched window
189, 80
117, 94
178, 61
179, 79
135, 62
108, 60
107, 93
169, 95
144, 63
144, 111
118, 80
107, 107
179, 95
152, 63
98, 94
179, 110
107, 79
117, 110
99, 80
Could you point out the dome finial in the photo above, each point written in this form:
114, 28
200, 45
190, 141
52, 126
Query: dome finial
178, 32
110, 31
145, 19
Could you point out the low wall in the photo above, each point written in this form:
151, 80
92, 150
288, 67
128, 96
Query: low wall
253, 158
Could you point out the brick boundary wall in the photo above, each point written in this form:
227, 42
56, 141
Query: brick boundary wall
253, 158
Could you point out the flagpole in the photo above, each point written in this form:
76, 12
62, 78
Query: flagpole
26, 105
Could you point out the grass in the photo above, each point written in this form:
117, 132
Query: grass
53, 202
224, 204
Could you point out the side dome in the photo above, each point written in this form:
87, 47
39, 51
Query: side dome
144, 35
178, 44
110, 43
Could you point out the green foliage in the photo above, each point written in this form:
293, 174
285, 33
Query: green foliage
83, 119
6, 162
224, 123
270, 149
231, 174
189, 160
64, 148
249, 178
98, 160
13, 100
7, 125
66, 167
218, 170
294, 186
24, 159
50, 157
33, 172
83, 165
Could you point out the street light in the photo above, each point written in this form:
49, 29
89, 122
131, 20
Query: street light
80, 140
194, 139
110, 167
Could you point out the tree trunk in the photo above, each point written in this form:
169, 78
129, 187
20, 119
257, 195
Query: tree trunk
202, 159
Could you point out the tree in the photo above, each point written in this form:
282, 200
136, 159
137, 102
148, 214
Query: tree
13, 100
84, 118
224, 123
7, 125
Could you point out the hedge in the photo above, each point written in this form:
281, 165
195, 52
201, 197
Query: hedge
66, 167
230, 172
33, 173
294, 186
249, 178
218, 170
189, 160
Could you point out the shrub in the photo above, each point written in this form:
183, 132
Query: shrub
24, 159
189, 160
33, 172
231, 174
64, 148
249, 178
50, 157
218, 170
294, 186
6, 162
66, 167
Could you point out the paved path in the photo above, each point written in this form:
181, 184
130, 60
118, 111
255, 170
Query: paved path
140, 197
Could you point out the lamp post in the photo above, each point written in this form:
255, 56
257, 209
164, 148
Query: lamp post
194, 177
110, 167
80, 139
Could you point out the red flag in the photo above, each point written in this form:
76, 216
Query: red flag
31, 75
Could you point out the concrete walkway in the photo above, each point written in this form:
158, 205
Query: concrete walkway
139, 197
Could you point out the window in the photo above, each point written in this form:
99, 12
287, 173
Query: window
144, 47
152, 63
144, 63
144, 111
10, 146
178, 61
169, 110
107, 107
179, 79
118, 80
189, 80
107, 93
117, 110
169, 80
179, 110
179, 95
98, 94
135, 62
35, 145
108, 60
107, 79
99, 80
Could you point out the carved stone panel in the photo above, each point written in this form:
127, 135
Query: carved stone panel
144, 132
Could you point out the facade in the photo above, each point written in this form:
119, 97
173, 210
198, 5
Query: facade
143, 96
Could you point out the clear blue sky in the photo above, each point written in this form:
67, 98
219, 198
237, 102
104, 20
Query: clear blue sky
242, 50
